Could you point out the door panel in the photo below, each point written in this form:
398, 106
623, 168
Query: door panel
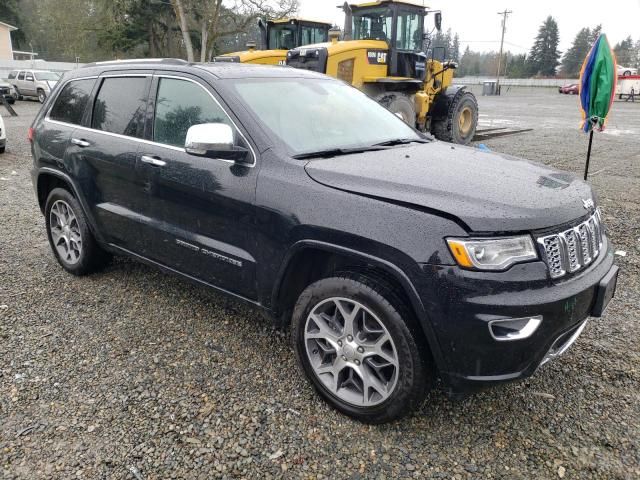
203, 208
107, 153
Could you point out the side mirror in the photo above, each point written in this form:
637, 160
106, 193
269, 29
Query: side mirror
214, 140
438, 20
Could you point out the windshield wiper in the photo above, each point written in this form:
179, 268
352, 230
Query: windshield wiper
334, 152
401, 141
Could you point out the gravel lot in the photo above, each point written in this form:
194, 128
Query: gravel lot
131, 373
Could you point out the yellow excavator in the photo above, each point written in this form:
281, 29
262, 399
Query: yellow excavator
382, 54
277, 37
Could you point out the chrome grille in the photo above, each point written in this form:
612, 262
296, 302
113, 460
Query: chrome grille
573, 249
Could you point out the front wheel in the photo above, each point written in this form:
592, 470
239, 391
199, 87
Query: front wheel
457, 118
399, 104
41, 96
359, 347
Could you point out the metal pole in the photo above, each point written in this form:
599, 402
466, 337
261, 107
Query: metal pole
504, 14
586, 167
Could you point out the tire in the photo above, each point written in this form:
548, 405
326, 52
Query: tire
384, 312
399, 104
458, 118
626, 73
82, 257
2, 150
18, 94
42, 96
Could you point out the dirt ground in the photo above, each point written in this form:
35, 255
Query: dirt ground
131, 373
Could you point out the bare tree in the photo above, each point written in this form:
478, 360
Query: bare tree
213, 19
178, 8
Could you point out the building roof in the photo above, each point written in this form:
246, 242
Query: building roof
10, 27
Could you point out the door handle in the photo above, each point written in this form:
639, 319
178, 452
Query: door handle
153, 160
80, 142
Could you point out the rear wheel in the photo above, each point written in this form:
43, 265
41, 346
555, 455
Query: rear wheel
358, 345
71, 240
399, 104
458, 120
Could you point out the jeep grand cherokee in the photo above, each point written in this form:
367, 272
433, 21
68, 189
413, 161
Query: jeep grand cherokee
396, 259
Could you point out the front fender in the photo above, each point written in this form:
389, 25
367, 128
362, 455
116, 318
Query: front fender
390, 268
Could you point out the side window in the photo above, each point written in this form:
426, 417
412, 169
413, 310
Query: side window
313, 35
21, 76
408, 32
120, 105
179, 105
72, 101
12, 75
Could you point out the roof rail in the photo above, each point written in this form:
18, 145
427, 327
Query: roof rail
166, 61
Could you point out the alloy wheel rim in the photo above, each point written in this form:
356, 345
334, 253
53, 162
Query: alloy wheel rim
65, 232
351, 352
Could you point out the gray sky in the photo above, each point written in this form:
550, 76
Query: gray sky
478, 24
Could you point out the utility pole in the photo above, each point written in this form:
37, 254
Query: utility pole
504, 14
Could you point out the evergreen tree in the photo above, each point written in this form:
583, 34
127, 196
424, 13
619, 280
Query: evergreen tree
595, 33
625, 52
517, 66
455, 48
574, 57
544, 55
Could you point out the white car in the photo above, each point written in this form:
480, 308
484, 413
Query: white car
626, 71
3, 136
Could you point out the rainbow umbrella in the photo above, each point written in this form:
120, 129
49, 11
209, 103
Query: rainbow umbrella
597, 89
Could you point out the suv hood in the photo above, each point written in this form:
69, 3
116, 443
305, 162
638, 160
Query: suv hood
488, 192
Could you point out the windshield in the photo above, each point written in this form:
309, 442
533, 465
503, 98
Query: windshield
282, 37
310, 115
373, 24
46, 76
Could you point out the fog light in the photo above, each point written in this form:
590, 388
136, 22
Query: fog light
508, 329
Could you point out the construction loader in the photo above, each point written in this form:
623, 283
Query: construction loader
278, 36
383, 54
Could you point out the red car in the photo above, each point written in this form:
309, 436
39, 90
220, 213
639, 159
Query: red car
572, 89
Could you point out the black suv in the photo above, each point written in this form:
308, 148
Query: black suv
396, 259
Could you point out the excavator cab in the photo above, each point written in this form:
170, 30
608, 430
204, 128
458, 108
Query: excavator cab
278, 36
401, 26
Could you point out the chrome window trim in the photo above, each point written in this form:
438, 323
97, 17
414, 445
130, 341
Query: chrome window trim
150, 142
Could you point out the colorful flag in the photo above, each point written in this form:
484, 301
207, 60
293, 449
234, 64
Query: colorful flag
597, 85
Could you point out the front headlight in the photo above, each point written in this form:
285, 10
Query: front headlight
492, 253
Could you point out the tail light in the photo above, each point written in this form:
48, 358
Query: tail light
30, 134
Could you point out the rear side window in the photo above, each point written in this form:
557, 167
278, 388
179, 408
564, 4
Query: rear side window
120, 106
72, 101
21, 76
179, 105
12, 75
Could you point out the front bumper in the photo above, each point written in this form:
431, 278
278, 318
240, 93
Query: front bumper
467, 302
